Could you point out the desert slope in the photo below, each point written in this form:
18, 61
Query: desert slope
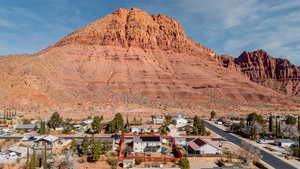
128, 52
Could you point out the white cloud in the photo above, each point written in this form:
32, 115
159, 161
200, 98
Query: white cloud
5, 23
227, 13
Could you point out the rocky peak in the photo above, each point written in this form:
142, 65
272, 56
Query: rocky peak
133, 28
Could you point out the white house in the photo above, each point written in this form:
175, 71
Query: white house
180, 121
88, 121
284, 142
158, 119
199, 146
147, 144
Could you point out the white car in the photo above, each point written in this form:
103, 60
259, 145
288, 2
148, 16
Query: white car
261, 141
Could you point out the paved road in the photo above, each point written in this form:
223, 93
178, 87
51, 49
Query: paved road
266, 157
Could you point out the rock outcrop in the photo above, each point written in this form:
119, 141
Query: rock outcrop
130, 52
275, 73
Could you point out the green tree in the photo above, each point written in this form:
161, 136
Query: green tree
254, 117
213, 115
119, 121
33, 161
26, 121
298, 123
117, 124
184, 163
271, 123
113, 162
28, 159
97, 124
55, 120
85, 145
74, 145
169, 120
67, 130
95, 151
43, 128
164, 130
199, 127
290, 120
44, 158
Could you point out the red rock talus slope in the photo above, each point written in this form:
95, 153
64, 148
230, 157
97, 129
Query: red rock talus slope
133, 52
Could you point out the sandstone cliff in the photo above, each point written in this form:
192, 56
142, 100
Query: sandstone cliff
130, 52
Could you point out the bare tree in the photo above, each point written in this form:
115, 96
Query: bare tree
289, 130
249, 153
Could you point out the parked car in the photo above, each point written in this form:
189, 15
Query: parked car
219, 122
227, 124
261, 141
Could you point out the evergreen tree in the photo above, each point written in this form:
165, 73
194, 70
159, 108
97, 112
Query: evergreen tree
28, 159
299, 123
44, 157
97, 125
276, 127
213, 115
85, 145
199, 128
43, 129
117, 124
95, 151
290, 120
74, 145
271, 123
164, 130
33, 161
55, 120
119, 121
184, 163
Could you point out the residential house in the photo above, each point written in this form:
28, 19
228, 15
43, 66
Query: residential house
48, 141
199, 146
147, 144
180, 121
88, 121
25, 127
173, 131
158, 119
21, 152
8, 158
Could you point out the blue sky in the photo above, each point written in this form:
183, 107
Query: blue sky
227, 26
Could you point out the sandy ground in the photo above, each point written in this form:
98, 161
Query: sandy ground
203, 162
96, 165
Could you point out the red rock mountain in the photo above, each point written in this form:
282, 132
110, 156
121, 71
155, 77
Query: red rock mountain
130, 52
276, 73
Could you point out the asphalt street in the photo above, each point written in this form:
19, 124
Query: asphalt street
266, 157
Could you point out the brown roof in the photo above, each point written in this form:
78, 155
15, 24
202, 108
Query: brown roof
196, 143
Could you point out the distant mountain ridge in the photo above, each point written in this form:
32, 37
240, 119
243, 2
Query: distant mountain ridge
276, 73
132, 52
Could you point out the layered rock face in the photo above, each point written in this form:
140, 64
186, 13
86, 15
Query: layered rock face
275, 73
137, 29
132, 52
